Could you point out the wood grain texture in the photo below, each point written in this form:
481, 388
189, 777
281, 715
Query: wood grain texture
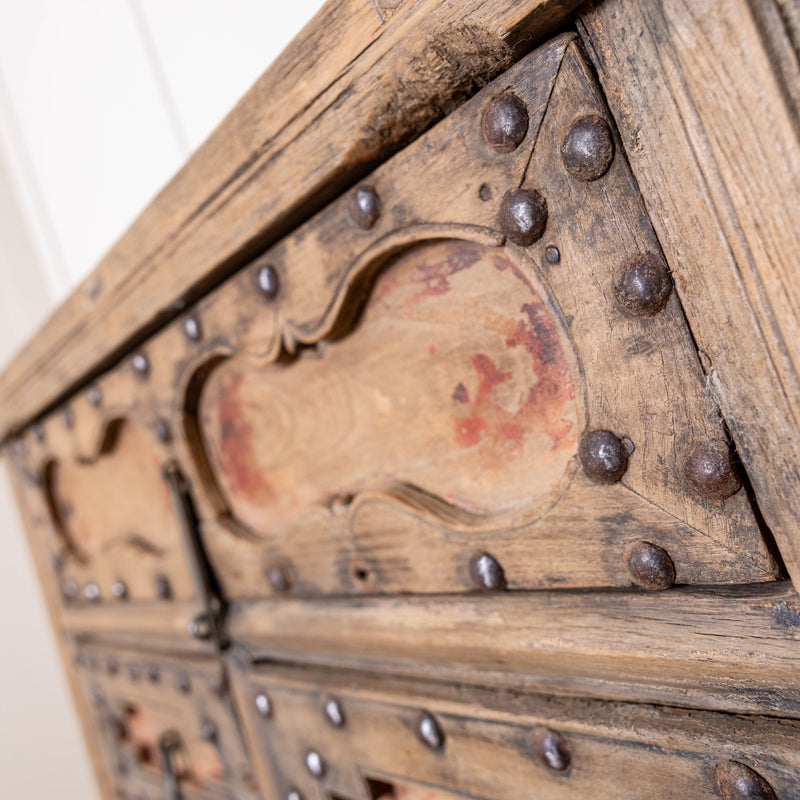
614, 751
719, 168
351, 89
346, 533
730, 650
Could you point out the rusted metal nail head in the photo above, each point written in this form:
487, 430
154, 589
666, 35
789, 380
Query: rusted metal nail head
523, 216
587, 149
94, 396
487, 573
334, 713
365, 207
603, 456
294, 795
650, 566
551, 748
67, 418
736, 781
429, 731
69, 589
192, 328
152, 673
552, 254
38, 432
91, 592
182, 682
112, 665
140, 363
314, 764
709, 470
162, 588
643, 285
200, 627
267, 281
278, 578
208, 730
119, 590
163, 433
505, 122
263, 705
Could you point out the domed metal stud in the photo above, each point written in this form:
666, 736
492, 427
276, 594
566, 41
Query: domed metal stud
314, 764
603, 456
709, 470
736, 781
523, 216
505, 122
428, 731
643, 285
551, 748
587, 149
263, 704
365, 207
333, 712
650, 566
487, 573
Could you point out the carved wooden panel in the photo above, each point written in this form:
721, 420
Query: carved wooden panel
411, 372
348, 736
168, 726
436, 484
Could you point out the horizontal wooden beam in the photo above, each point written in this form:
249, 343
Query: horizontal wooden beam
733, 650
349, 91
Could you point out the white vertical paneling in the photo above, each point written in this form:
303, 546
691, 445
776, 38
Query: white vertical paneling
42, 753
90, 116
212, 51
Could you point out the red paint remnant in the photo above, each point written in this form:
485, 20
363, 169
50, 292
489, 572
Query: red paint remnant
469, 430
501, 433
432, 350
432, 275
461, 394
237, 456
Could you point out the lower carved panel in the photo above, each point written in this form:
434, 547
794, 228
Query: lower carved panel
330, 735
166, 726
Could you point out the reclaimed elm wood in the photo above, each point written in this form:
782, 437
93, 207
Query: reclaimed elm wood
616, 751
731, 649
351, 89
719, 168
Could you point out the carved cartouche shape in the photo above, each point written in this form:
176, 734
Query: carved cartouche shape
453, 381
116, 515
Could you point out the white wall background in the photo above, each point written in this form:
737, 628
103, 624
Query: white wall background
101, 101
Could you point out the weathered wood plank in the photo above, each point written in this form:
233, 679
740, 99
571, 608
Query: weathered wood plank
731, 650
349, 91
714, 146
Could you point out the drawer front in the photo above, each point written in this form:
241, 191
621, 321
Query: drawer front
166, 725
348, 736
476, 355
